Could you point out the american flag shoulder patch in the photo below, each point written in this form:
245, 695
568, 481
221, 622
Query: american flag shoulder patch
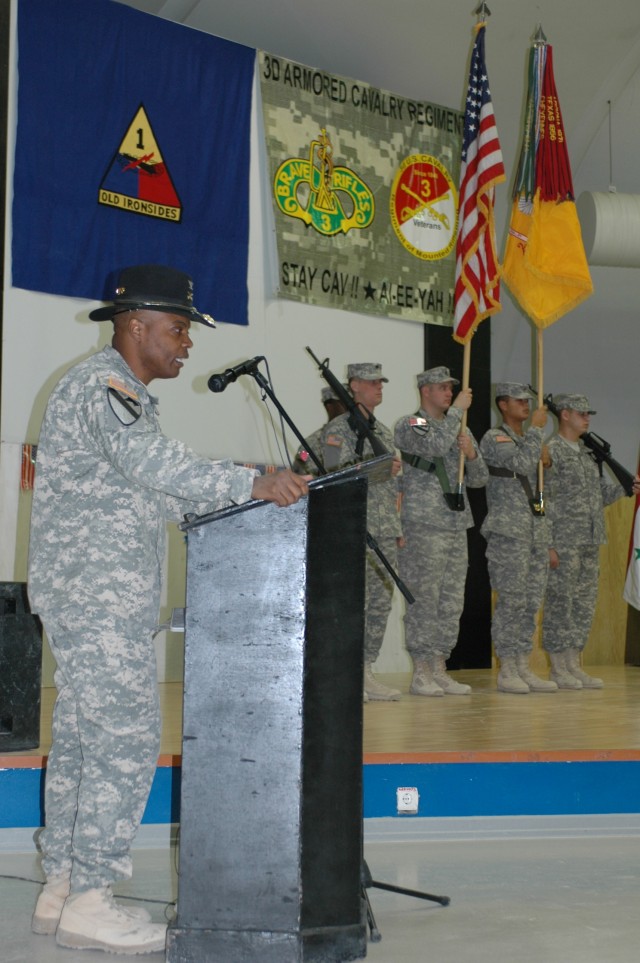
415, 421
334, 440
503, 438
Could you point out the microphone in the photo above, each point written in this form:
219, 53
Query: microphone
218, 382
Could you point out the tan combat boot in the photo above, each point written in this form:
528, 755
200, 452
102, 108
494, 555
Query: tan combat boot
93, 920
509, 679
448, 685
560, 674
572, 662
535, 683
423, 682
49, 906
377, 691
51, 900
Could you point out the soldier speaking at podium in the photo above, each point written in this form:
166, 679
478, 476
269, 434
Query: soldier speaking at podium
107, 481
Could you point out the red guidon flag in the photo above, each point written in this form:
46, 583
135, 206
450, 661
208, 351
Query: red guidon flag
477, 284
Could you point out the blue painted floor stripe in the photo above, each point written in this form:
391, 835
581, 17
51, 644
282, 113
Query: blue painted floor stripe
451, 789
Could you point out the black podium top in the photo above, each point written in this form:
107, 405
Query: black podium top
374, 470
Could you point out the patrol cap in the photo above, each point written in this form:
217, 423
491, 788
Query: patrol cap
156, 288
575, 402
513, 389
328, 394
366, 371
436, 376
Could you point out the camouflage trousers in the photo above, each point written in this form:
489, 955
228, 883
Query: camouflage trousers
570, 599
518, 573
379, 597
434, 566
105, 744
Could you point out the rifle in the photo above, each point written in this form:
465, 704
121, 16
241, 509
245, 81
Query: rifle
363, 428
600, 451
358, 421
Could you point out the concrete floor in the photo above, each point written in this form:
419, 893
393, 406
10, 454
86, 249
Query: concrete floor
569, 898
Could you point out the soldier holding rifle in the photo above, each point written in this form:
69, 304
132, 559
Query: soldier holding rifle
576, 495
342, 445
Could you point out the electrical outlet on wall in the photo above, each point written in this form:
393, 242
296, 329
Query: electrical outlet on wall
407, 799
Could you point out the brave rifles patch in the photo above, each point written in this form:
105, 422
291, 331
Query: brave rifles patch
137, 179
328, 198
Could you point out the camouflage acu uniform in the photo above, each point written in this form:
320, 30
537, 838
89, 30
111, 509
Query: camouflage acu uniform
107, 480
517, 541
383, 522
433, 561
302, 463
575, 494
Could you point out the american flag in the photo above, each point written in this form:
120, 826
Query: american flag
477, 286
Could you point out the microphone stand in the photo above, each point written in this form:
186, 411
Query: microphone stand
371, 542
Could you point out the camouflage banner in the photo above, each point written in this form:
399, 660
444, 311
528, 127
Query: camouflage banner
365, 196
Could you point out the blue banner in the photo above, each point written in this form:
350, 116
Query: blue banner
132, 147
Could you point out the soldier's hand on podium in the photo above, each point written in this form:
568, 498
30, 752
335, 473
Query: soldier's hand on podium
281, 487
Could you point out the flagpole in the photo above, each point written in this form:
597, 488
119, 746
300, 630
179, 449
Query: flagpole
540, 366
466, 369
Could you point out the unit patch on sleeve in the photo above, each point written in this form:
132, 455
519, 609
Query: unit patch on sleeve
123, 402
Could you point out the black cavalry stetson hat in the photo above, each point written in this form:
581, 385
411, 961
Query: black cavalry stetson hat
156, 288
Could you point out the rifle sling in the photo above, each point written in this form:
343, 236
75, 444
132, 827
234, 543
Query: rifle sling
524, 481
424, 464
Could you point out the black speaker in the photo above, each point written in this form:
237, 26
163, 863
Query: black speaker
20, 670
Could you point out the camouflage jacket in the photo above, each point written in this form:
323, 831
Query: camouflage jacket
575, 495
107, 480
509, 512
423, 503
338, 450
302, 463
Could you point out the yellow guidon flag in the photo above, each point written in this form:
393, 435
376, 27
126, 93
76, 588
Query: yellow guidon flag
545, 266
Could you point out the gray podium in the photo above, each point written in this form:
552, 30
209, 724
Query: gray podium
271, 798
20, 669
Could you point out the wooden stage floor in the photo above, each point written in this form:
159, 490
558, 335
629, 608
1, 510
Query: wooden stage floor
592, 723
